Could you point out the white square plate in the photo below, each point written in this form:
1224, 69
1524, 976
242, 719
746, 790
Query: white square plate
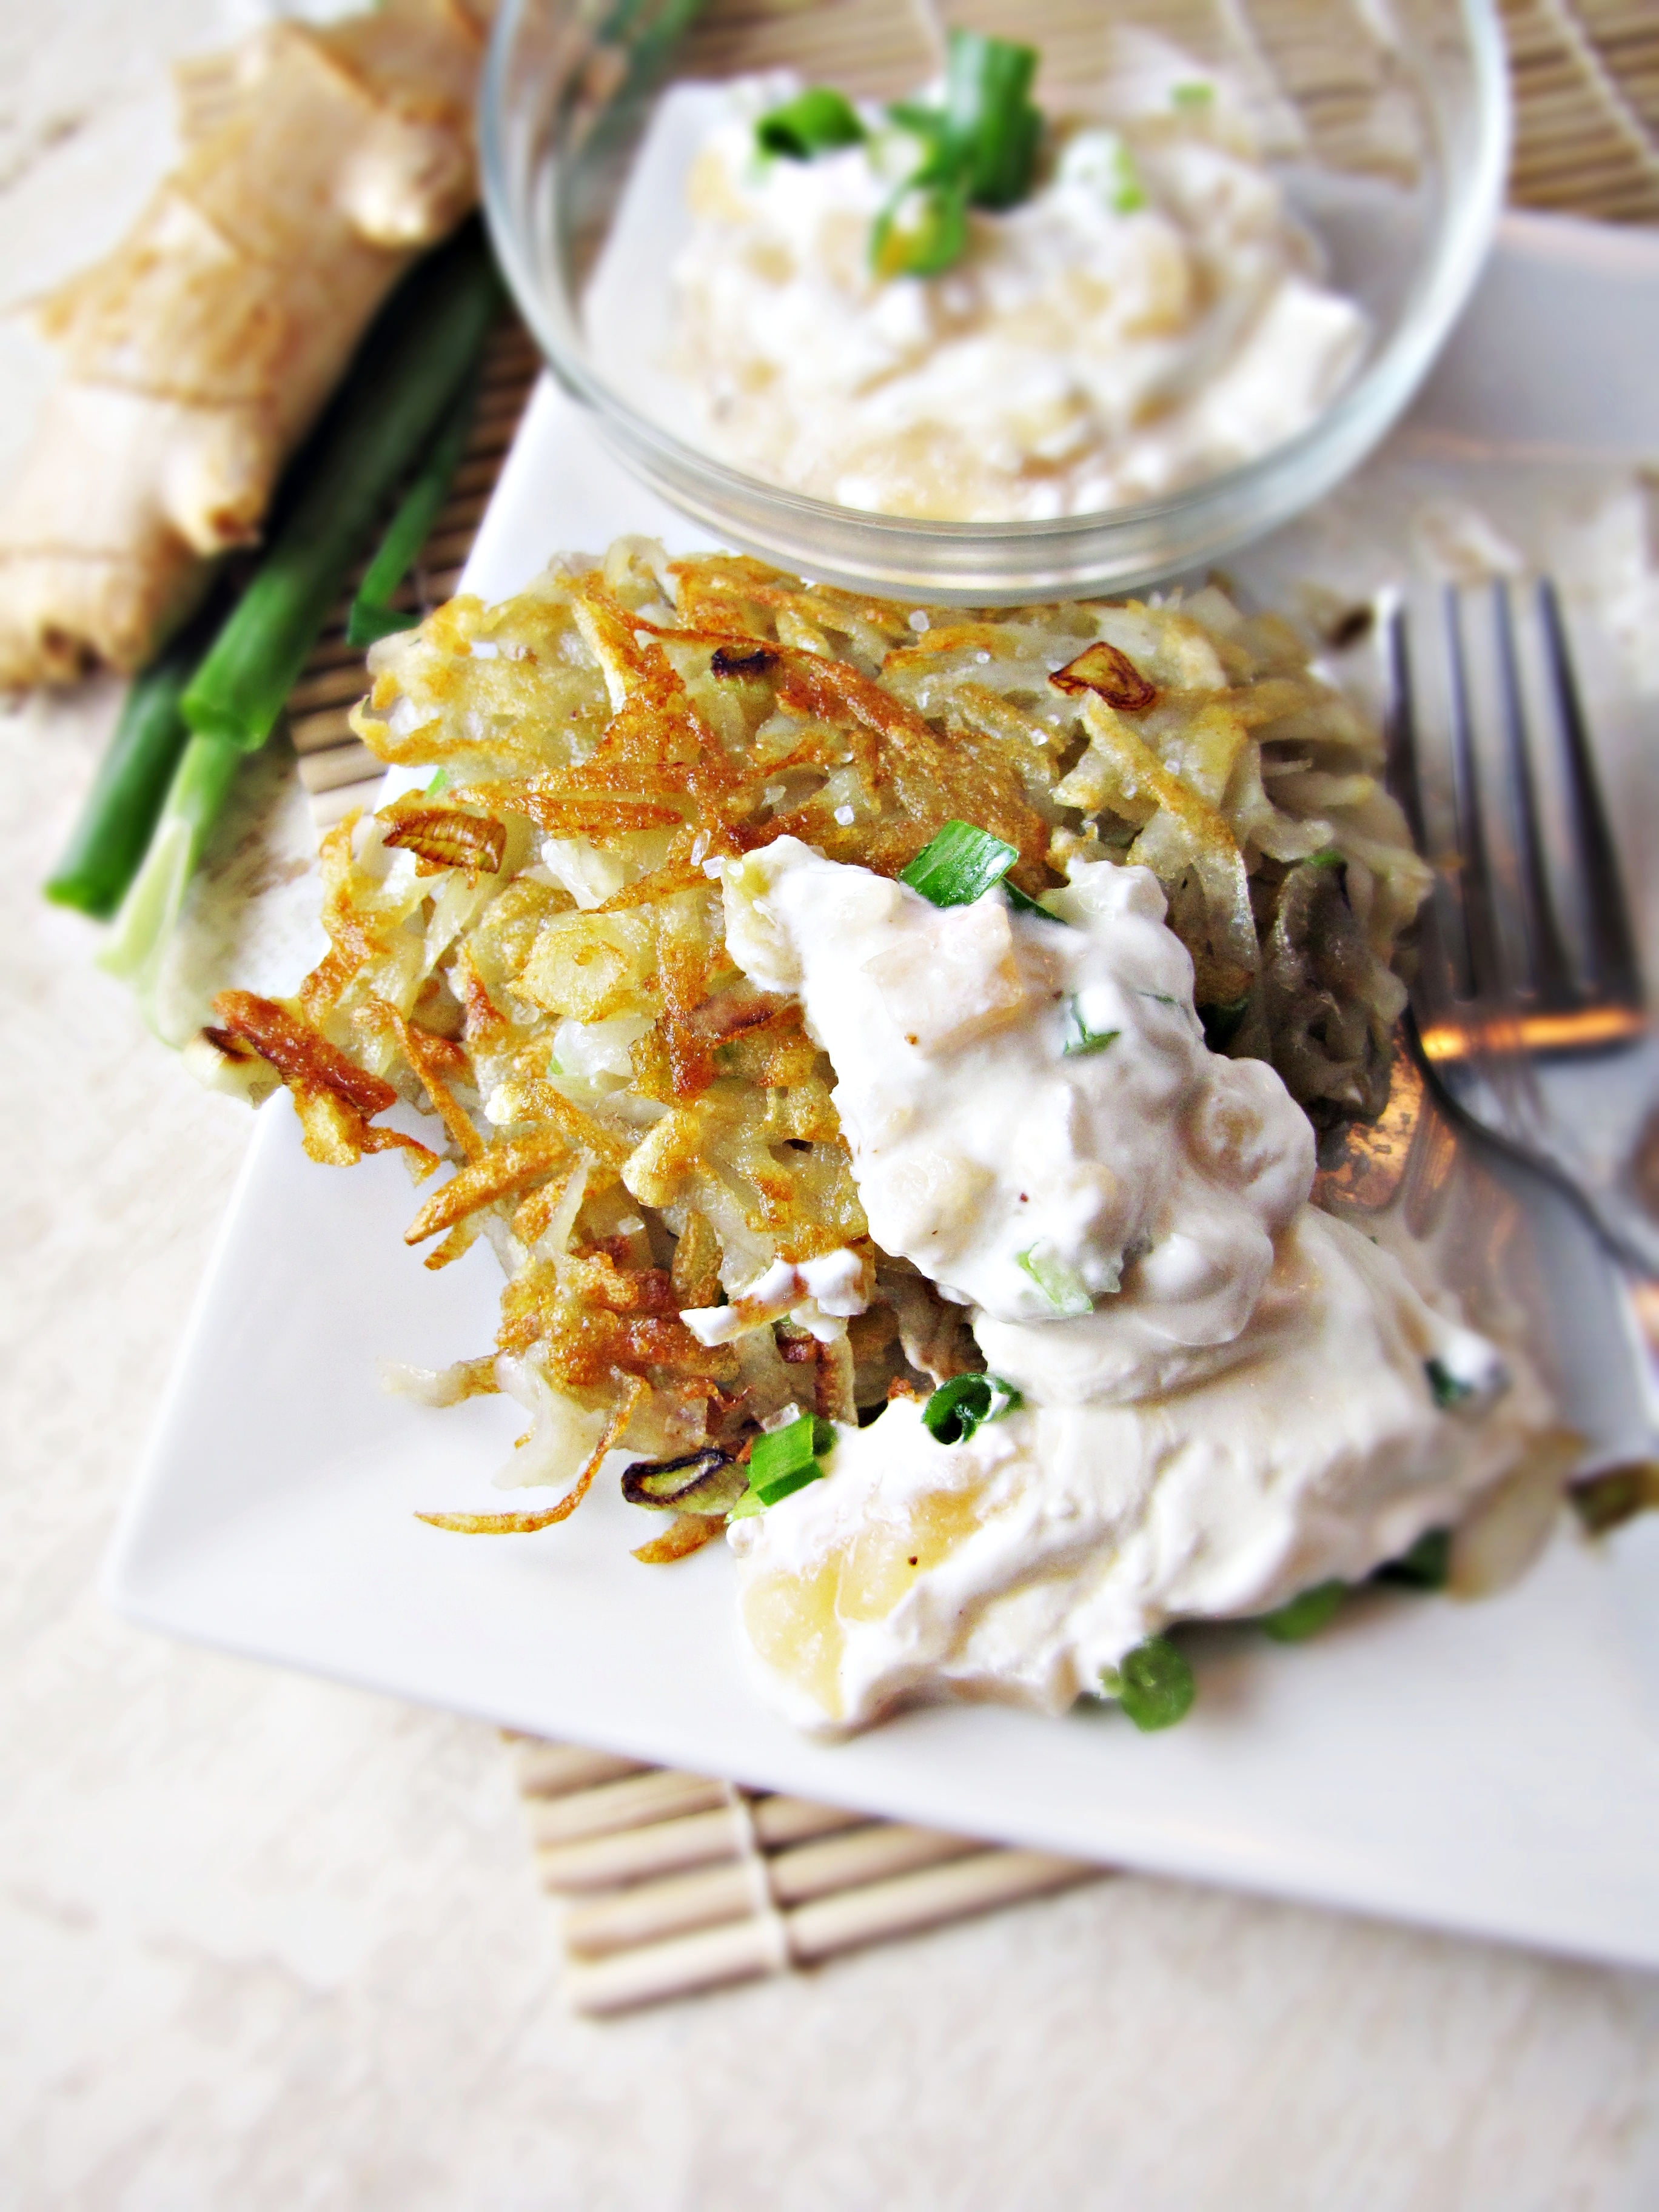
1492, 1768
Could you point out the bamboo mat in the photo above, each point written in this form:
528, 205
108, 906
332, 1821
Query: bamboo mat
673, 1883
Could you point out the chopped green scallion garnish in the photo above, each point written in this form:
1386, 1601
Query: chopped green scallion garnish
439, 782
797, 1479
989, 117
1449, 1390
1196, 95
1080, 1039
1128, 193
1064, 1288
1154, 1685
785, 1459
959, 865
1305, 1614
962, 864
1021, 904
922, 229
1426, 1566
819, 120
965, 1403
979, 150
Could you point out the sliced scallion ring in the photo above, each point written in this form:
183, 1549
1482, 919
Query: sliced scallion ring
1154, 1685
819, 120
959, 865
784, 1460
922, 229
1021, 904
1303, 1615
989, 117
1064, 1288
1426, 1566
962, 864
1128, 192
966, 1403
1079, 1039
1447, 1389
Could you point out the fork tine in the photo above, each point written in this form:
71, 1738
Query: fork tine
1434, 988
1401, 773
1552, 968
1485, 974
1616, 968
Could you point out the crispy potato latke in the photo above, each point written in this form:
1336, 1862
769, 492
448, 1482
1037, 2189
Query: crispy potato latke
537, 956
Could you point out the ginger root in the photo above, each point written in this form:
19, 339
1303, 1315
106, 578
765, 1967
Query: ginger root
319, 163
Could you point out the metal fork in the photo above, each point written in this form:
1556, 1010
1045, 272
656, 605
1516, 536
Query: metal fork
1529, 1003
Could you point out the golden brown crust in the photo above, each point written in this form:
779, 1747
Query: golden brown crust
689, 1533
300, 1056
335, 1098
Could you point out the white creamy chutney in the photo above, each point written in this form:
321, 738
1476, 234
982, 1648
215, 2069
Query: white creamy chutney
1230, 1404
1152, 314
1030, 1103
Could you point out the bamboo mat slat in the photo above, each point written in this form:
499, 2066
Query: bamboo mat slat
673, 1884
1586, 79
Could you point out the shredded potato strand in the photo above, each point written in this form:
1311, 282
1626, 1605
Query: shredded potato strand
527, 1524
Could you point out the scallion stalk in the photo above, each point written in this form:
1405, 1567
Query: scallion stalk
373, 614
405, 378
1021, 904
201, 782
979, 150
421, 348
108, 842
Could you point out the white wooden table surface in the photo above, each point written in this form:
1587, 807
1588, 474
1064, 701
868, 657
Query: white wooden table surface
271, 1944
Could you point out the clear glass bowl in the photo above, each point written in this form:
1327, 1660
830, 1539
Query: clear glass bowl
1386, 120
